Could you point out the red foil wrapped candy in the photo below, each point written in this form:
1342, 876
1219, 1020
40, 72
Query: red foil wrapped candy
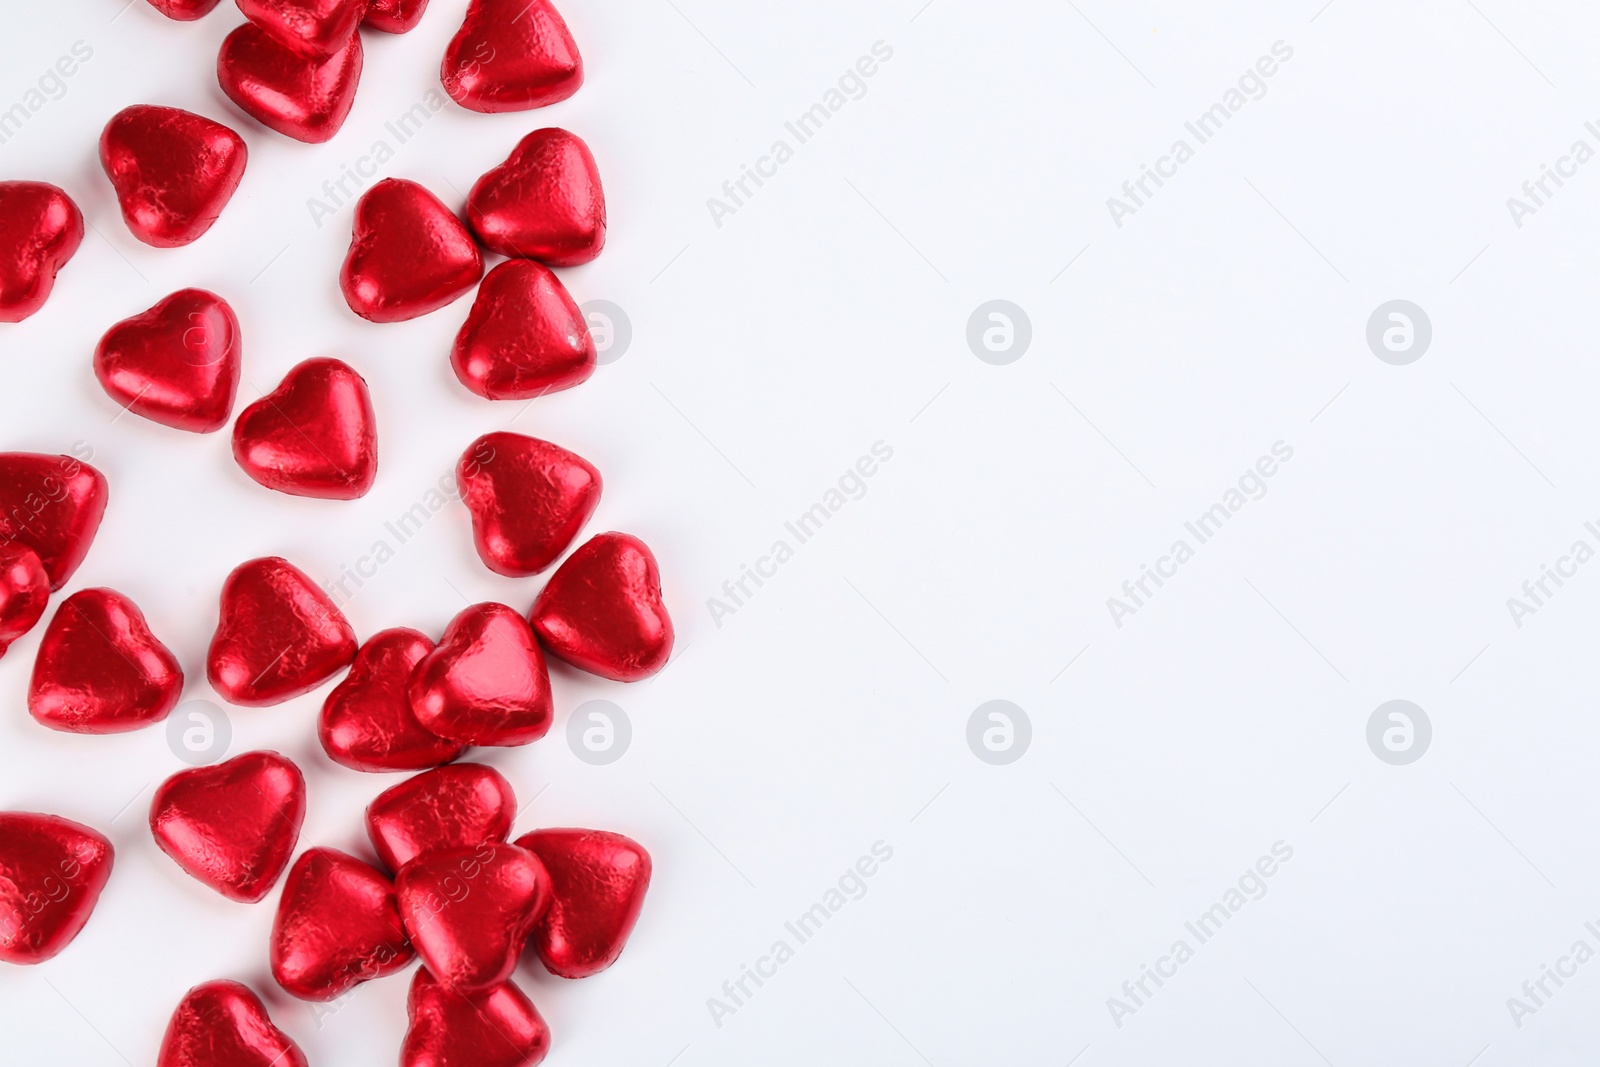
174, 171
302, 97
529, 500
53, 505
51, 873
100, 670
496, 1027
544, 202
511, 55
469, 910
315, 435
597, 887
409, 254
486, 683
232, 826
184, 10
337, 926
395, 16
524, 336
24, 591
367, 723
453, 807
316, 28
224, 1024
40, 229
176, 364
601, 611
278, 635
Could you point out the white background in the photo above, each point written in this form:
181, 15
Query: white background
830, 711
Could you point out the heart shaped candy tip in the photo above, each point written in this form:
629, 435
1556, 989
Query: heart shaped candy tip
496, 1027
394, 16
185, 10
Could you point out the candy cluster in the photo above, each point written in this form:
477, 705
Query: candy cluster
450, 888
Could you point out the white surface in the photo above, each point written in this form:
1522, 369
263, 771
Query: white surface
824, 714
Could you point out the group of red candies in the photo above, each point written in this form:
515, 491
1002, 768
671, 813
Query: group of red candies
451, 889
